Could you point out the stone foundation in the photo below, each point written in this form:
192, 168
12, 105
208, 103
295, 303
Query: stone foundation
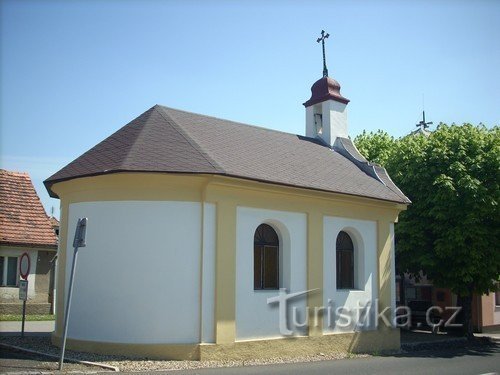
356, 342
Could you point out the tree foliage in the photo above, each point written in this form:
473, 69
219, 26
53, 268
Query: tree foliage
376, 147
451, 231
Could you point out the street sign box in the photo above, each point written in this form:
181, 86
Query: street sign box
23, 290
80, 233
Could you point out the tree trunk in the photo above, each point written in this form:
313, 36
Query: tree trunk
466, 303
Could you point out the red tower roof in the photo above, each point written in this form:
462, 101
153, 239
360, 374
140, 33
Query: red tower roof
323, 89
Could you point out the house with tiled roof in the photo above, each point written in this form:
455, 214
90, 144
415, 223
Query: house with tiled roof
55, 225
25, 228
212, 239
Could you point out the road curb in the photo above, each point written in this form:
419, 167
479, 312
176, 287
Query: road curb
108, 367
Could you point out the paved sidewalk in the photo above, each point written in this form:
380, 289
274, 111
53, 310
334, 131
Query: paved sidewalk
30, 328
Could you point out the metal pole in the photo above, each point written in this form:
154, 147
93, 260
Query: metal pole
68, 304
24, 318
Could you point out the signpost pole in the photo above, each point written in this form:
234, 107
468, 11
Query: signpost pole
24, 271
24, 318
79, 241
68, 305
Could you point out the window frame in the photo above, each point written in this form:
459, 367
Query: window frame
261, 246
5, 272
344, 282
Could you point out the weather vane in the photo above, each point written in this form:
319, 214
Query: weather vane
322, 40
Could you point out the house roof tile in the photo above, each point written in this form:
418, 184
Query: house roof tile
23, 221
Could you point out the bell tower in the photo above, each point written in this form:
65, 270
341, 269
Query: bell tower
326, 113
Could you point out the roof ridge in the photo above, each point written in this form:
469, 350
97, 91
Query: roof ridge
139, 133
188, 138
14, 173
232, 121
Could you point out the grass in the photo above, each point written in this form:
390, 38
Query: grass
29, 318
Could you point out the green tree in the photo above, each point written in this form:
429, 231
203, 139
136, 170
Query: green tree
451, 231
376, 147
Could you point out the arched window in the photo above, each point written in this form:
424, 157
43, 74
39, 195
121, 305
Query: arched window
265, 258
345, 261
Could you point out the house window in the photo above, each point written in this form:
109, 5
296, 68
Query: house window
345, 261
8, 271
265, 258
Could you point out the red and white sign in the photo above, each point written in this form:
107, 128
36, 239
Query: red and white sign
24, 266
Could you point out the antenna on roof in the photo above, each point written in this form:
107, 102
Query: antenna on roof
52, 211
422, 124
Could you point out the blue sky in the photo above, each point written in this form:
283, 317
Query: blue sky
73, 72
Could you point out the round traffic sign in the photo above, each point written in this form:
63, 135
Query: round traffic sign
24, 266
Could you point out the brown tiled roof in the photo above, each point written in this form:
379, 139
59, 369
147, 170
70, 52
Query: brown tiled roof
168, 140
23, 221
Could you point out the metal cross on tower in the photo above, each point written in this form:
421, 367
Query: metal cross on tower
423, 125
322, 40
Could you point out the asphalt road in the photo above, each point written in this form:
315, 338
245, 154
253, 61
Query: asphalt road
473, 360
482, 360
20, 362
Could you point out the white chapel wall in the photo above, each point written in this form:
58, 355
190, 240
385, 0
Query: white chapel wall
364, 236
138, 279
254, 317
